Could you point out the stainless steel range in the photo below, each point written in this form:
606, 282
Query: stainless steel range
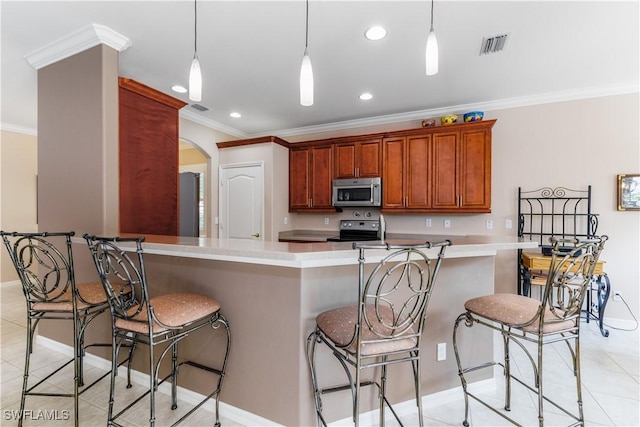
356, 230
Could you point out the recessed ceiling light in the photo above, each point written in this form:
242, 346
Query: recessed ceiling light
375, 33
235, 115
179, 89
366, 96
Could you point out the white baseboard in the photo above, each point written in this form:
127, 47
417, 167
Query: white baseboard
408, 407
242, 417
9, 283
233, 414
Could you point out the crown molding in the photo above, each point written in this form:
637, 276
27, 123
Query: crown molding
196, 118
76, 42
546, 98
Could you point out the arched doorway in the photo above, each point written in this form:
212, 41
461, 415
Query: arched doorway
194, 189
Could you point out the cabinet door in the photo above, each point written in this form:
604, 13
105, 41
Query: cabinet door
474, 175
321, 176
345, 160
357, 159
393, 196
445, 161
418, 174
368, 163
299, 175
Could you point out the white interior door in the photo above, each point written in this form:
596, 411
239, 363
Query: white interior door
242, 201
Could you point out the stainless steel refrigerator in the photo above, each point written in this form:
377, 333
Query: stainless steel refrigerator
189, 204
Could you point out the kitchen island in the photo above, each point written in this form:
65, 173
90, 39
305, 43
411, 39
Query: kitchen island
271, 293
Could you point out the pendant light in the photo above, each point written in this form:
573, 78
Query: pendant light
195, 74
431, 55
306, 72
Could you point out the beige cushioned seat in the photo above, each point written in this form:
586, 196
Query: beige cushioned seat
174, 310
92, 292
339, 326
514, 310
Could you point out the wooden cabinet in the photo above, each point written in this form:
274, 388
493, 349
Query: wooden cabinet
148, 157
462, 171
310, 178
444, 169
406, 177
440, 170
357, 159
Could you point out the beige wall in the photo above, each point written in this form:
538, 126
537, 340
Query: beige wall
18, 180
78, 143
566, 144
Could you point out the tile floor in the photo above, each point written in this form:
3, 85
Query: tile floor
611, 384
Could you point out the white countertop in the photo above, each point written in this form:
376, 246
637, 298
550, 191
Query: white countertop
307, 255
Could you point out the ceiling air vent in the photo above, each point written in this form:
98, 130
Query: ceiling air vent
494, 44
199, 107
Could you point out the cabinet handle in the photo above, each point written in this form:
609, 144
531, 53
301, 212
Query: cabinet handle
459, 201
310, 203
357, 172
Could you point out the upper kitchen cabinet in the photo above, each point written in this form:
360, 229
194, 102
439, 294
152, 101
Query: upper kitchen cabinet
462, 171
148, 159
357, 158
445, 169
406, 177
310, 178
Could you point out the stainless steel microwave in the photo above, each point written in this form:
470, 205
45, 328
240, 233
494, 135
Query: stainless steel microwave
357, 192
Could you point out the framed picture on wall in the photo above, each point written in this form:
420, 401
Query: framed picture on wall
628, 192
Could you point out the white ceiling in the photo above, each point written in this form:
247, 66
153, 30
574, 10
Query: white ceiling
250, 53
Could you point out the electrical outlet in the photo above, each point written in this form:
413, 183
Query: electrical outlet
447, 223
326, 221
286, 220
442, 352
617, 296
427, 222
508, 224
489, 224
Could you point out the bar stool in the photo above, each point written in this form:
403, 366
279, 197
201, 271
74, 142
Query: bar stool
520, 319
160, 321
384, 327
44, 263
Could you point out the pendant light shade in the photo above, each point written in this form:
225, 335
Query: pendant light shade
431, 53
306, 81
195, 80
195, 74
306, 72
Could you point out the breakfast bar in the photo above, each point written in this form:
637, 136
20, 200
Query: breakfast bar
271, 293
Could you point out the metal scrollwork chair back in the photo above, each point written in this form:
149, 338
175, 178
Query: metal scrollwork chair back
158, 321
521, 319
384, 327
123, 278
44, 264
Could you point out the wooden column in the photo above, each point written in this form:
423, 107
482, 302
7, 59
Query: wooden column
148, 159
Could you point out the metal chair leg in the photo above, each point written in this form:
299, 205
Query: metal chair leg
507, 373
418, 385
468, 322
312, 340
382, 391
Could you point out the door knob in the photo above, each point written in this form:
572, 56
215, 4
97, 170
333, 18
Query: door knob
256, 235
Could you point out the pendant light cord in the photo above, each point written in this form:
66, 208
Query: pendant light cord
431, 16
306, 37
195, 26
